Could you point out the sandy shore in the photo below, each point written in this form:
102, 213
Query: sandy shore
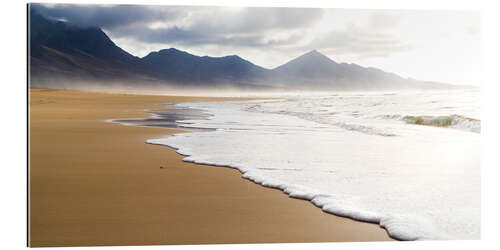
99, 183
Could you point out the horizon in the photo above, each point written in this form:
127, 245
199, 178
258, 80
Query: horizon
271, 36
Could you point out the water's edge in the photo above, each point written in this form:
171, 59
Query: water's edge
292, 193
315, 199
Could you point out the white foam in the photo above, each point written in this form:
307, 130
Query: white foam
423, 183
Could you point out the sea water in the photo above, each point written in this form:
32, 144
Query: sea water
409, 161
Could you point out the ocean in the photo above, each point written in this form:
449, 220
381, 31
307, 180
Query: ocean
409, 161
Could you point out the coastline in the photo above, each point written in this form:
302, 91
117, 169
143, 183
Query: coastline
94, 183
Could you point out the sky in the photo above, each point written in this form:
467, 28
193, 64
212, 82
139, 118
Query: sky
441, 46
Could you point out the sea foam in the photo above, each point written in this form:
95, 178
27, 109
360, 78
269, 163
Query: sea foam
421, 183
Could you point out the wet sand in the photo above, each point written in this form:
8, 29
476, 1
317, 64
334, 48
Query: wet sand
95, 183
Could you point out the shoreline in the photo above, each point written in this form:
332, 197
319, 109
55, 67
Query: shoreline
290, 193
96, 183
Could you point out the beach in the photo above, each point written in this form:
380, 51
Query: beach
96, 183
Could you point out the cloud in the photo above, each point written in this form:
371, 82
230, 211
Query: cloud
252, 20
106, 16
234, 29
193, 36
360, 42
191, 26
384, 21
247, 27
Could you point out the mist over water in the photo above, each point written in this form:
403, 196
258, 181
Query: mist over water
355, 154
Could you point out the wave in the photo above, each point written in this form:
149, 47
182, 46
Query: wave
346, 174
445, 121
398, 226
326, 120
363, 129
451, 121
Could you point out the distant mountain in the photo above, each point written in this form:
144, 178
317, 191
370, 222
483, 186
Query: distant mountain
310, 65
63, 55
179, 66
314, 70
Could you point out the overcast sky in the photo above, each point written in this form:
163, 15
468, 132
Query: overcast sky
428, 45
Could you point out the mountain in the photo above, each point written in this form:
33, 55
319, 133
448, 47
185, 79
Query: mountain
64, 37
179, 66
310, 65
314, 70
63, 55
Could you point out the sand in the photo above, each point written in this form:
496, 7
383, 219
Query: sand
94, 183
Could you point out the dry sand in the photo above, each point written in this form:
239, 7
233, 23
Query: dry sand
98, 183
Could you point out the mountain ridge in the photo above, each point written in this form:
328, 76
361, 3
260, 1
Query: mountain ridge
63, 53
176, 65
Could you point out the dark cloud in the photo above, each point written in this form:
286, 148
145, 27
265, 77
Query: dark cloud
249, 27
251, 20
279, 28
190, 26
107, 17
192, 36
